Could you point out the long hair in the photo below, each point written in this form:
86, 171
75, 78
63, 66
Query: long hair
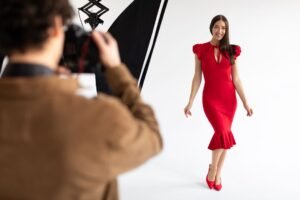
225, 46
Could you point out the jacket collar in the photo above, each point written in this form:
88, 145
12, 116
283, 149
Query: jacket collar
26, 70
34, 80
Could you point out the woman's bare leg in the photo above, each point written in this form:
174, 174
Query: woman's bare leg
220, 166
213, 169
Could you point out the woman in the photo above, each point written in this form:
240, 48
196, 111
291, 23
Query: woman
217, 61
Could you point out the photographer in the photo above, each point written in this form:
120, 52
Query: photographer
55, 145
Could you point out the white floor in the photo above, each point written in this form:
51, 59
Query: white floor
249, 174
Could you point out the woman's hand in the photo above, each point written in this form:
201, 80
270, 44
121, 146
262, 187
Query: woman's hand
248, 109
187, 110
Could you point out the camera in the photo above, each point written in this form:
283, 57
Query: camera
80, 53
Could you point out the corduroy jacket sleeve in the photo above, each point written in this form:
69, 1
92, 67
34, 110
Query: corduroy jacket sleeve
136, 136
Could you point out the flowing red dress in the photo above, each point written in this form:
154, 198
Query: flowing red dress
219, 98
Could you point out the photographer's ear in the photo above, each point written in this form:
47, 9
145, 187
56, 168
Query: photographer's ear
57, 27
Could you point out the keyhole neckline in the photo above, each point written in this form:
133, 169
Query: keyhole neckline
215, 46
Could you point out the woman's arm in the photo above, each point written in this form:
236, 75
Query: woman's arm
195, 86
239, 88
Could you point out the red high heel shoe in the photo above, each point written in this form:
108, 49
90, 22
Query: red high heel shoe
218, 187
209, 183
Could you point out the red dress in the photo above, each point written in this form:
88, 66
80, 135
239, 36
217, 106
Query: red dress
219, 98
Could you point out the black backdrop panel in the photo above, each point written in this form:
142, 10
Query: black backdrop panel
133, 30
1, 61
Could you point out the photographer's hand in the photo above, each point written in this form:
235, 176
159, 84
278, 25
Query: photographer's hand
108, 49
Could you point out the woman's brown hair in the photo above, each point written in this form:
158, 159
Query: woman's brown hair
224, 45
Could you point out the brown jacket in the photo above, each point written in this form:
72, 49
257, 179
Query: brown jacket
55, 145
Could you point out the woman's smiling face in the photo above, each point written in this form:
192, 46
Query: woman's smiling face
219, 30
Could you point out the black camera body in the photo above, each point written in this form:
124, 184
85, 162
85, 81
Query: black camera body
80, 53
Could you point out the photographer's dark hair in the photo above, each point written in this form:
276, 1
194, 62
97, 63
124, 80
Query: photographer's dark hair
225, 46
25, 23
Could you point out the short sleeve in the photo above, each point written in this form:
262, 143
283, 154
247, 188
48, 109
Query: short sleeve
197, 50
237, 51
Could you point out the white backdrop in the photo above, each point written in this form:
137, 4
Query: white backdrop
264, 164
